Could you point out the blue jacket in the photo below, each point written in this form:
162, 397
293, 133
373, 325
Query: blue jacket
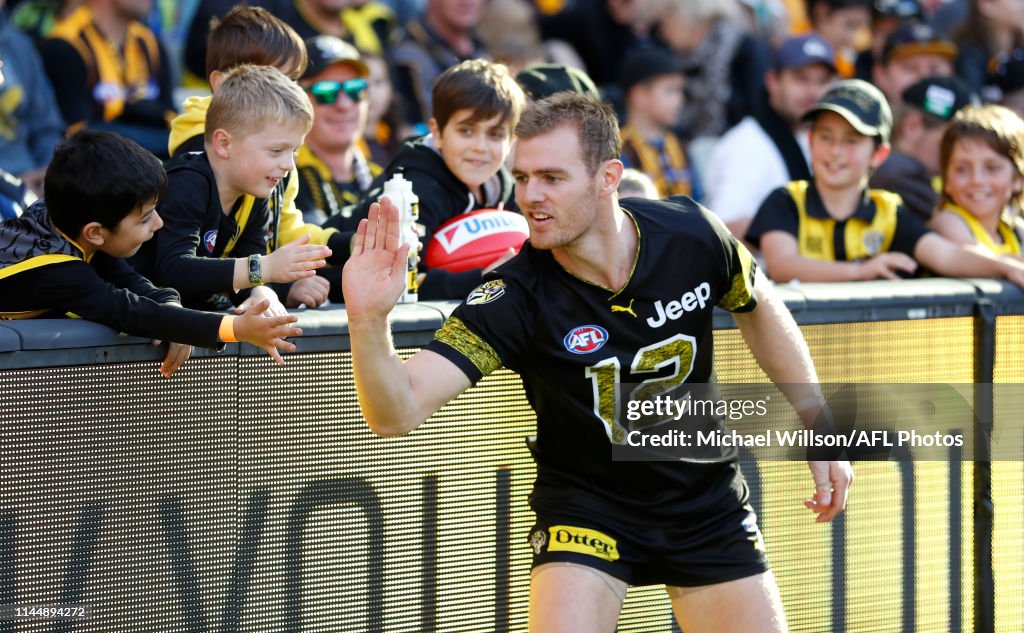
30, 121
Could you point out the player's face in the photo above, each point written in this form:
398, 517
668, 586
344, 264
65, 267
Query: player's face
793, 92
841, 157
979, 179
340, 123
134, 229
473, 151
260, 160
556, 192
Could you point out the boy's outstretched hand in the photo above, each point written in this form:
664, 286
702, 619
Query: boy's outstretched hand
295, 260
266, 332
374, 276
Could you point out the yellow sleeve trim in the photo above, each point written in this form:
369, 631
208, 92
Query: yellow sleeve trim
742, 288
457, 336
36, 262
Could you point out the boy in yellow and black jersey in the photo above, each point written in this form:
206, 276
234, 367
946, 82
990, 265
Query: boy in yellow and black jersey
64, 256
833, 228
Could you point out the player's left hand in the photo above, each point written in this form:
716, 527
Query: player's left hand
832, 481
177, 354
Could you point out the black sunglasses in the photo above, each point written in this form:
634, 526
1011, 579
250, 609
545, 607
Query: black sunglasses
326, 92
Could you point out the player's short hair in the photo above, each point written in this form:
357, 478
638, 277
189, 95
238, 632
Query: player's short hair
998, 127
253, 35
100, 177
486, 88
252, 97
596, 123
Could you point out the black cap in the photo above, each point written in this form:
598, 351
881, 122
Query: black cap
1007, 71
543, 80
861, 104
797, 52
941, 97
917, 38
327, 50
647, 63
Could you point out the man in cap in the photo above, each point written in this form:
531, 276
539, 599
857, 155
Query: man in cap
920, 119
334, 171
540, 81
911, 53
774, 139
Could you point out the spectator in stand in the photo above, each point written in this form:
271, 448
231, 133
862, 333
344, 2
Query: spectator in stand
543, 80
912, 168
334, 173
724, 64
444, 35
886, 17
30, 123
911, 53
992, 27
110, 72
843, 24
37, 17
603, 32
636, 184
652, 85
511, 35
1007, 80
775, 139
370, 26
385, 122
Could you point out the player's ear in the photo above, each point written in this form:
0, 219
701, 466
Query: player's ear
611, 174
93, 234
221, 143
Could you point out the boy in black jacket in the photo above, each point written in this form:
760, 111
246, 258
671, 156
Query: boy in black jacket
214, 245
65, 255
460, 166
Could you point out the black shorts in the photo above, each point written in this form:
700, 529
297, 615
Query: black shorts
719, 543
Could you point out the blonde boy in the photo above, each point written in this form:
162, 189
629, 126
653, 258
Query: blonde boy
213, 247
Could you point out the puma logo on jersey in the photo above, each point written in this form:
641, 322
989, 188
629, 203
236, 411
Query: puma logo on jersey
696, 299
627, 309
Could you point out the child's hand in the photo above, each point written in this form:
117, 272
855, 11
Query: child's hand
311, 292
888, 266
267, 333
263, 294
295, 260
177, 354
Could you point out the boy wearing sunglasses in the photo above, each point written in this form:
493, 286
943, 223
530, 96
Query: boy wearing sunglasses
460, 166
334, 170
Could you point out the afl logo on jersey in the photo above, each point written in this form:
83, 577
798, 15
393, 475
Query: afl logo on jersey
210, 240
585, 339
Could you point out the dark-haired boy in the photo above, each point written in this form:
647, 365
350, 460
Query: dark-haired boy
65, 256
460, 166
833, 228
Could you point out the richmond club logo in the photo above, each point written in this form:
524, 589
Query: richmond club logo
585, 339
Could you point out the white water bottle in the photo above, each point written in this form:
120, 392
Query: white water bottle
399, 191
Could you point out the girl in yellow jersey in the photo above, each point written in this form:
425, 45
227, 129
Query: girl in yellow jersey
982, 160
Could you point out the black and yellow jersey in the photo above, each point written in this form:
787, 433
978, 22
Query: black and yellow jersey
578, 345
1009, 232
879, 225
321, 197
664, 161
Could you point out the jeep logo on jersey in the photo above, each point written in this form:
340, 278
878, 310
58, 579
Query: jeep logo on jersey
585, 339
478, 227
210, 240
696, 299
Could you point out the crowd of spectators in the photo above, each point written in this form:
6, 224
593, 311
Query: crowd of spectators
713, 95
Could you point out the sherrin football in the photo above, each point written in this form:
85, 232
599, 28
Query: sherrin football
475, 239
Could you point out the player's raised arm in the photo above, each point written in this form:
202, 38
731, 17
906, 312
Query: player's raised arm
395, 396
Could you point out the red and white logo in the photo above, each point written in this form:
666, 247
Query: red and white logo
479, 226
585, 339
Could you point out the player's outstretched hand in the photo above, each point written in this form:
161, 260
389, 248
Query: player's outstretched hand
832, 481
374, 276
266, 332
295, 260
